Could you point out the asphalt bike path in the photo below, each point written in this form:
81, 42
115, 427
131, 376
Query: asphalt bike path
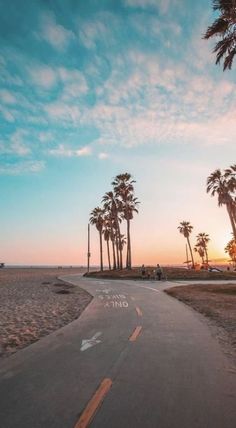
135, 358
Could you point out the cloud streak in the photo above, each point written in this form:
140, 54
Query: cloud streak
63, 151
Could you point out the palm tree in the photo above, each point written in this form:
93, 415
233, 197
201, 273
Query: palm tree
223, 186
200, 250
112, 206
186, 229
224, 27
202, 241
230, 175
124, 190
231, 250
107, 236
97, 218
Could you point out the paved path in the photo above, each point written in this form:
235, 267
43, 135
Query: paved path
150, 358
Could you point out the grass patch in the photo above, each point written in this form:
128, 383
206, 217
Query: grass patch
169, 273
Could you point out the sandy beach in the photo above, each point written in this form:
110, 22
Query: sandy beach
35, 303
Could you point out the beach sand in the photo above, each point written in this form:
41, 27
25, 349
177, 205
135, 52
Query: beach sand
34, 303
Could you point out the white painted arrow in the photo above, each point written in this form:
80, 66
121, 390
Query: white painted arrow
106, 290
88, 343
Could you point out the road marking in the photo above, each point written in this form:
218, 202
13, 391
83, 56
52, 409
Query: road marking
116, 304
148, 288
94, 403
135, 333
139, 312
89, 343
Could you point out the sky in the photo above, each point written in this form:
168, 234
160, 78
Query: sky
89, 90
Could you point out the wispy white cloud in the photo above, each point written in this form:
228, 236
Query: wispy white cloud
43, 75
7, 97
55, 34
74, 82
59, 111
89, 33
7, 115
71, 82
141, 3
22, 167
64, 151
45, 137
18, 147
103, 155
161, 5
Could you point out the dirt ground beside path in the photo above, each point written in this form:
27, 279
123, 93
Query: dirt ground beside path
34, 303
218, 303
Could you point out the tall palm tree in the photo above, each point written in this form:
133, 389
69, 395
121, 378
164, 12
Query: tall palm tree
124, 190
202, 241
97, 218
222, 185
186, 229
107, 235
112, 206
224, 27
230, 175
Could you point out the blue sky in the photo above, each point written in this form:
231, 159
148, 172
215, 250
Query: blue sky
92, 89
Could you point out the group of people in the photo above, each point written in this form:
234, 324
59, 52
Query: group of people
157, 272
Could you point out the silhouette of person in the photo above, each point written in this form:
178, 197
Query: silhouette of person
158, 272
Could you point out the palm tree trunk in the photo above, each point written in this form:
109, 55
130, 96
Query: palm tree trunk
114, 254
190, 249
113, 246
117, 252
101, 257
108, 254
206, 253
128, 245
120, 246
127, 249
231, 216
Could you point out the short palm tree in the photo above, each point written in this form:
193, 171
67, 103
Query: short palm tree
200, 250
186, 229
202, 241
97, 218
231, 250
224, 27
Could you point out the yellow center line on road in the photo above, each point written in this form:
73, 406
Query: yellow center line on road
135, 333
93, 404
139, 312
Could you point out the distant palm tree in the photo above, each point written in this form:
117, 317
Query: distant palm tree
186, 229
224, 27
231, 250
223, 185
202, 241
97, 218
124, 190
200, 250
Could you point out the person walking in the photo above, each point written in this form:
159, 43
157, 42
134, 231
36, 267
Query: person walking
158, 272
143, 271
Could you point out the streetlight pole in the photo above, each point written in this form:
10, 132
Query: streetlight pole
88, 254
